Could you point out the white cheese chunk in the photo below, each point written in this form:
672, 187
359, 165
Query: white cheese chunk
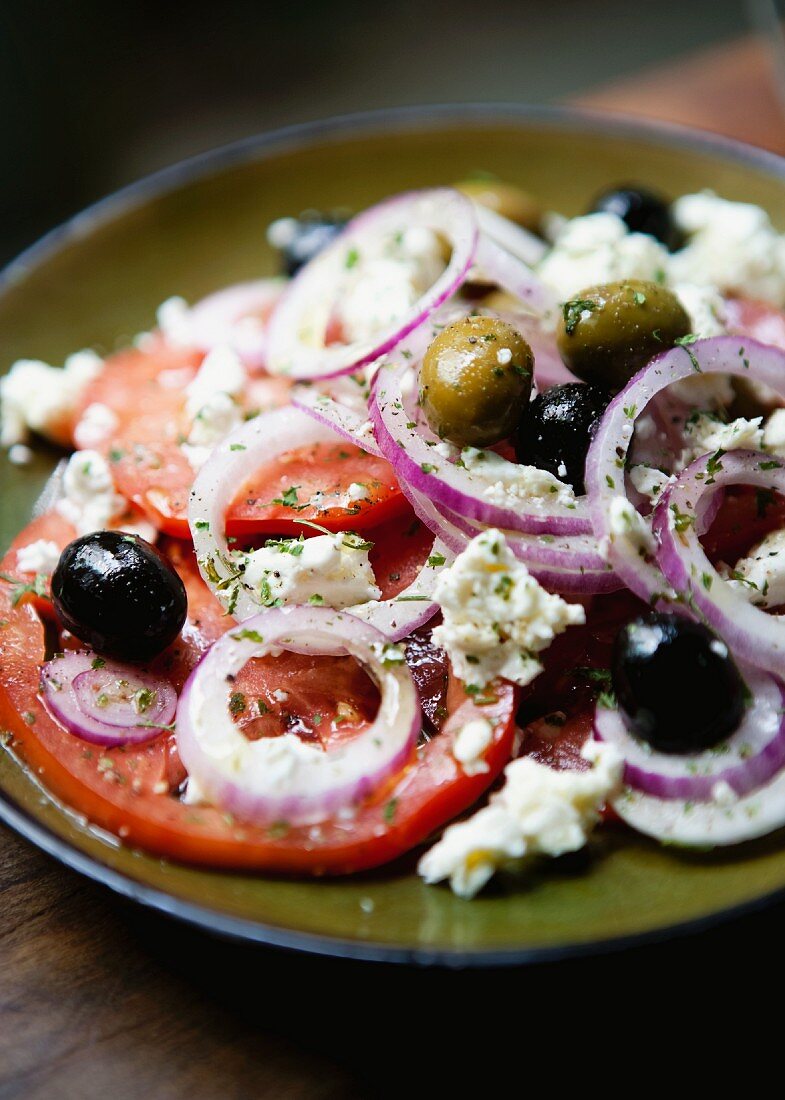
40, 556
706, 434
731, 245
598, 248
221, 371
496, 616
96, 425
538, 811
35, 397
649, 481
385, 280
509, 484
90, 501
760, 576
470, 744
628, 525
329, 570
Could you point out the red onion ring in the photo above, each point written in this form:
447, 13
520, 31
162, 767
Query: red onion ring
307, 300
513, 238
305, 785
746, 760
71, 684
237, 317
754, 636
411, 449
348, 423
501, 267
705, 824
607, 457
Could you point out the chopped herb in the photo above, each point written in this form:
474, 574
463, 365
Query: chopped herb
236, 702
352, 257
38, 587
436, 559
573, 311
289, 498
249, 635
389, 810
237, 447
427, 468
97, 662
316, 600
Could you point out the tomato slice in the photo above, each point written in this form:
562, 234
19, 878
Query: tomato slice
133, 792
761, 321
146, 391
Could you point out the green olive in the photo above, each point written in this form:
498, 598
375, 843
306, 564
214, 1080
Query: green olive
608, 332
475, 381
505, 199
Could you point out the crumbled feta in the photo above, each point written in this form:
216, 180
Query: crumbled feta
774, 432
731, 245
649, 481
705, 435
628, 525
508, 484
174, 322
504, 356
598, 248
761, 574
96, 425
219, 415
385, 279
538, 811
723, 794
496, 617
470, 744
327, 569
705, 306
356, 491
40, 556
221, 371
90, 500
35, 397
19, 454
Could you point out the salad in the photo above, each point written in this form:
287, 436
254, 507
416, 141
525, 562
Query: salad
464, 536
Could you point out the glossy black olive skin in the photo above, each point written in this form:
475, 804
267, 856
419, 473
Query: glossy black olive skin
555, 431
119, 595
676, 684
642, 211
313, 233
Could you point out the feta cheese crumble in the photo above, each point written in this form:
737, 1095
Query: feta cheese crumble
731, 245
760, 576
470, 744
538, 811
598, 248
96, 425
386, 278
508, 484
649, 481
329, 570
40, 556
90, 500
222, 372
627, 524
496, 616
706, 434
35, 397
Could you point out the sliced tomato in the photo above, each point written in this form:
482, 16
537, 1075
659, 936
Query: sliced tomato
146, 391
747, 515
761, 321
133, 792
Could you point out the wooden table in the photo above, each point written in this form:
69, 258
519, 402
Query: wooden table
100, 999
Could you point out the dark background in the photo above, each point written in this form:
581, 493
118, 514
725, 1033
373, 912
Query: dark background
96, 93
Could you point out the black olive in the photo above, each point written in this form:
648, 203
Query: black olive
642, 210
118, 594
556, 429
676, 683
300, 239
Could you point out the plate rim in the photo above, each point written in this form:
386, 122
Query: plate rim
258, 147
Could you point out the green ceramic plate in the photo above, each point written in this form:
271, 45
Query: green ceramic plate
189, 230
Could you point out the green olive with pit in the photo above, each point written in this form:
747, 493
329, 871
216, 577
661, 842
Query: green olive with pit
476, 381
607, 333
505, 199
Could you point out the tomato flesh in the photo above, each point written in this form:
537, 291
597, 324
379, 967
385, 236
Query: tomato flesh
133, 791
146, 392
